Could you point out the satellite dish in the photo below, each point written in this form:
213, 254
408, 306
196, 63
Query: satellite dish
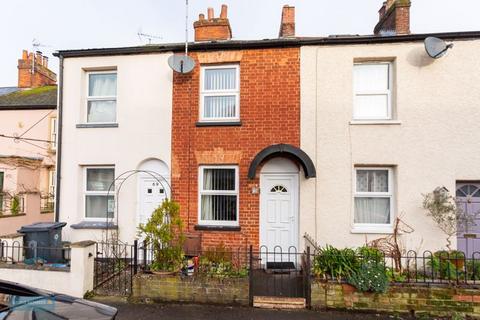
436, 48
181, 63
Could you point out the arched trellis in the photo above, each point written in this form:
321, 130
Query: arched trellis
123, 178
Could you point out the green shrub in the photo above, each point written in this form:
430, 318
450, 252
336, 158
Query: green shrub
366, 253
443, 266
15, 205
335, 263
164, 231
473, 269
370, 277
219, 262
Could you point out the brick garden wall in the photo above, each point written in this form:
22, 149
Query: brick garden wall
269, 114
405, 298
157, 288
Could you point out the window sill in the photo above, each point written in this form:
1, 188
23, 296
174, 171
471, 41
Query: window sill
94, 225
5, 216
218, 124
216, 228
375, 122
97, 125
372, 230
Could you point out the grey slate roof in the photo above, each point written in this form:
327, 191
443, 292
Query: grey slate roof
7, 90
38, 98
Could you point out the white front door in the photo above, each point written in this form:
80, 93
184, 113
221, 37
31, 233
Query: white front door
279, 212
152, 194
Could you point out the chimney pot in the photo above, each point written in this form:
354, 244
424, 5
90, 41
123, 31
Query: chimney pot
394, 16
29, 77
213, 29
223, 14
201, 17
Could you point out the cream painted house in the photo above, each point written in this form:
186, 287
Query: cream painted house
384, 123
115, 143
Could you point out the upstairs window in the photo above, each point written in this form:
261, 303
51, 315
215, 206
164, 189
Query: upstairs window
218, 195
102, 97
220, 93
372, 83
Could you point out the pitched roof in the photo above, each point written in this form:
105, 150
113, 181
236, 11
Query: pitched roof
267, 43
37, 98
7, 90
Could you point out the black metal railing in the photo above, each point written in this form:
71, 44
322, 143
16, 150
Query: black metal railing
16, 253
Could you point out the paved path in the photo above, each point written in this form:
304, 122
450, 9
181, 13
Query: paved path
204, 312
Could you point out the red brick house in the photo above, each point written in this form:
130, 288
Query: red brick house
236, 161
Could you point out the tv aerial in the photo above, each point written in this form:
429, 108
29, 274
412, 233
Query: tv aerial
436, 48
182, 63
142, 36
36, 45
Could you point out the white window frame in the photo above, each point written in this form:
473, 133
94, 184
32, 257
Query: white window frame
216, 192
51, 182
96, 193
2, 187
374, 227
212, 93
387, 92
100, 98
53, 133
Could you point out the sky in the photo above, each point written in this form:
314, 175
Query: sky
78, 24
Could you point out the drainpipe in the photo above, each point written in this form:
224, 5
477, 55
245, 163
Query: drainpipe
59, 140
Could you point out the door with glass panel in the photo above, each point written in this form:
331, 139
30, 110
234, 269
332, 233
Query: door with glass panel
468, 235
152, 196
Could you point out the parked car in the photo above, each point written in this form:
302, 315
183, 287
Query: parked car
22, 302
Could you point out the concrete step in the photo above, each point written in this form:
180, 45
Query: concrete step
279, 303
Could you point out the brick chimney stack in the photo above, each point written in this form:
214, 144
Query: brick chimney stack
33, 71
394, 17
213, 29
287, 25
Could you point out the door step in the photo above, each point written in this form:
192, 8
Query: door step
279, 303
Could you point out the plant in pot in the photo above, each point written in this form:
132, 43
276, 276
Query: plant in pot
163, 232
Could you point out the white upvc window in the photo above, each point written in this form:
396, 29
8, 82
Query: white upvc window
53, 133
373, 199
102, 97
99, 201
218, 195
220, 93
372, 83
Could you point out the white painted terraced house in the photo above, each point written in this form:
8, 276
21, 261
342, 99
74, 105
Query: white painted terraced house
116, 118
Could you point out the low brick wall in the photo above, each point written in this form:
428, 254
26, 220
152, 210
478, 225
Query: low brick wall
421, 299
189, 289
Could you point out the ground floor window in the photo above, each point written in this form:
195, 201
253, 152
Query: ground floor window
373, 197
218, 195
99, 202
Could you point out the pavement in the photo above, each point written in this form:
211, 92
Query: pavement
201, 312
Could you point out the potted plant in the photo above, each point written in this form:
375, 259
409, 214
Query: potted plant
163, 232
